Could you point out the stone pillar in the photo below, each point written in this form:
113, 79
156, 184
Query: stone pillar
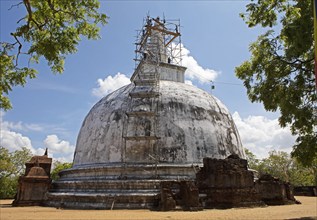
167, 202
190, 196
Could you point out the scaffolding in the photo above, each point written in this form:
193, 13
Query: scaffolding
157, 42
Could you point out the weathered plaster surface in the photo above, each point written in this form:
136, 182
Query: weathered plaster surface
191, 124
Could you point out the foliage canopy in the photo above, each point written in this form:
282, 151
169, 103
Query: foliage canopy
51, 30
281, 165
59, 166
280, 72
12, 165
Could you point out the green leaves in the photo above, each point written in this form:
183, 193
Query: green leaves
263, 12
306, 151
59, 166
280, 164
10, 74
280, 72
50, 29
12, 165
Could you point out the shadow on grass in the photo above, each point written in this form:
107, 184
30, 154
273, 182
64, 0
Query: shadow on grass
304, 218
6, 206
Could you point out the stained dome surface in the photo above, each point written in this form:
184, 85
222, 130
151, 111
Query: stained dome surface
191, 124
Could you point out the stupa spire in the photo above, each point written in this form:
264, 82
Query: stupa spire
158, 52
159, 41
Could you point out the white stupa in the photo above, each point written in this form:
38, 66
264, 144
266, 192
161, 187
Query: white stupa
155, 129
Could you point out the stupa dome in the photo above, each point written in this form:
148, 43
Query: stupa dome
190, 125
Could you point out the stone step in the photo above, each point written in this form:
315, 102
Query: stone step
144, 94
112, 183
103, 200
128, 178
130, 172
106, 191
107, 185
147, 81
102, 195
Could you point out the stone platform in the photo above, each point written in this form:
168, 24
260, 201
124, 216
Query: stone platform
133, 186
219, 183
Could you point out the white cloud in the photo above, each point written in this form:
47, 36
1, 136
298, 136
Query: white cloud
34, 127
261, 135
40, 151
19, 126
110, 84
188, 82
14, 141
54, 87
11, 139
194, 70
64, 159
10, 125
55, 145
25, 127
59, 150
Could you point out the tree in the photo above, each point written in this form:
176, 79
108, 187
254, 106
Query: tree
50, 29
278, 164
253, 162
280, 72
59, 166
12, 165
281, 165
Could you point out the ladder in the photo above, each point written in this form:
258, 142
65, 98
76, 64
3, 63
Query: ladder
141, 116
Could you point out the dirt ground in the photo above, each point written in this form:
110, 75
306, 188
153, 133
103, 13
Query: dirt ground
305, 211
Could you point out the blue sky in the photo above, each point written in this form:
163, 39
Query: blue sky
49, 110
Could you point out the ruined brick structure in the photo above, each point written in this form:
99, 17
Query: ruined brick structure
226, 183
35, 183
183, 195
274, 191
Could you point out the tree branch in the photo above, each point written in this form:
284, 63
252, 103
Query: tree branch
16, 5
21, 19
29, 10
19, 48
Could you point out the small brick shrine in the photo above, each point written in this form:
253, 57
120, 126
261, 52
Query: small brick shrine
35, 183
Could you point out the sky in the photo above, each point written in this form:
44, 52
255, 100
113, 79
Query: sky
49, 110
